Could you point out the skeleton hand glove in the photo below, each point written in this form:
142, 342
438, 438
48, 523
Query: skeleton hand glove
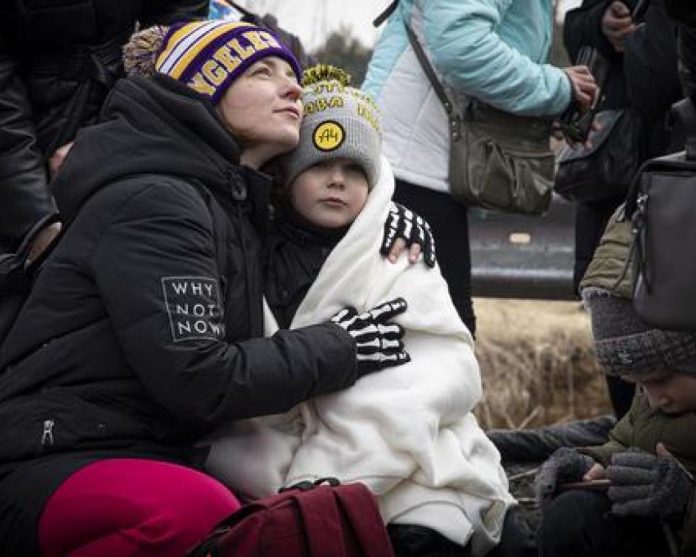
378, 342
405, 224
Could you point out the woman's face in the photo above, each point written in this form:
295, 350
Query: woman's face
263, 109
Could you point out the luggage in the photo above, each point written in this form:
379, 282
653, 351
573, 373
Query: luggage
662, 206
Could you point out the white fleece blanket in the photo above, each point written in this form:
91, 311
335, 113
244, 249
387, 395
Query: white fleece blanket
407, 432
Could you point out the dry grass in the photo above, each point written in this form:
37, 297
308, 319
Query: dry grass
537, 364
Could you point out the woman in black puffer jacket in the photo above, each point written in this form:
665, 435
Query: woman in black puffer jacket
143, 330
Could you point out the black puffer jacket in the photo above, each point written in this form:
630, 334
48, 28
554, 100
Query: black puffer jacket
140, 328
58, 60
296, 251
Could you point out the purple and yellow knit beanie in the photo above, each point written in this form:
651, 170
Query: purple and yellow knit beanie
205, 55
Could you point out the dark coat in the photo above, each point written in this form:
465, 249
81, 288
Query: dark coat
644, 77
58, 60
140, 330
295, 254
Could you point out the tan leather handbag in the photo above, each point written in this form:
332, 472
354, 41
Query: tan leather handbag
498, 160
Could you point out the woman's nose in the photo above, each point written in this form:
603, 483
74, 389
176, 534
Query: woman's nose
292, 90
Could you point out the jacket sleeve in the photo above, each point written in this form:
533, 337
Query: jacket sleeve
619, 439
166, 12
687, 60
472, 57
24, 197
156, 270
688, 545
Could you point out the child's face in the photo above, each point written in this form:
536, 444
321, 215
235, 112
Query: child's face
330, 194
669, 392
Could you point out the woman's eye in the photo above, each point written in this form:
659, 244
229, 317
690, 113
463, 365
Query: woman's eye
262, 70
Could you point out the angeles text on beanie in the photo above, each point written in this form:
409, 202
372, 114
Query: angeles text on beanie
205, 55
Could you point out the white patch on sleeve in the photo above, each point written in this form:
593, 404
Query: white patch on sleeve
194, 308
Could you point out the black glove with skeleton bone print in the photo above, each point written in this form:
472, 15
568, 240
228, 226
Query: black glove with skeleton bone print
378, 342
413, 229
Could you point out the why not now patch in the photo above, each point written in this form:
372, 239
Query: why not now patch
194, 308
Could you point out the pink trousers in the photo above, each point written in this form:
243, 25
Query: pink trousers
132, 507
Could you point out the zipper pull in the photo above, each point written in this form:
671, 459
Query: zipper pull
47, 436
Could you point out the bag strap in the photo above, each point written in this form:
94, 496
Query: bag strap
455, 120
686, 114
322, 521
359, 505
382, 17
241, 9
452, 115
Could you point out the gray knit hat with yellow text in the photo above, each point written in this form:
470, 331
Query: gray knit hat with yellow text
339, 122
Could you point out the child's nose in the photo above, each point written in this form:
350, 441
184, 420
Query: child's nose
337, 179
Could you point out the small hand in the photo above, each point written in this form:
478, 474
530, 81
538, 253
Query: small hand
378, 341
644, 484
42, 240
617, 24
405, 229
58, 158
564, 465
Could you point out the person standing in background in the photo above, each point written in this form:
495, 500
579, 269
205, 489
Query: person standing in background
58, 61
643, 78
494, 51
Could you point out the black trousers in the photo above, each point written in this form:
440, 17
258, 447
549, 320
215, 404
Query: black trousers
578, 524
449, 222
417, 541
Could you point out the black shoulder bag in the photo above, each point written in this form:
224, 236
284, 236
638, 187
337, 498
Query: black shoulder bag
662, 205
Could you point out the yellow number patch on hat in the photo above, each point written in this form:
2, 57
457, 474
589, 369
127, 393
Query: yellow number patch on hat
328, 136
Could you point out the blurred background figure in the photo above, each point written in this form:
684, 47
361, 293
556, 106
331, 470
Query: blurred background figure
641, 50
58, 61
480, 49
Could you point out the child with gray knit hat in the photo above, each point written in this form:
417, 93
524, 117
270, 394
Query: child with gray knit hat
410, 437
646, 505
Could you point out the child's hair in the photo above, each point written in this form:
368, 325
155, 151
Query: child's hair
340, 122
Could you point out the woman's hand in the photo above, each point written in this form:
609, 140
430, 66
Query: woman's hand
378, 342
583, 85
404, 229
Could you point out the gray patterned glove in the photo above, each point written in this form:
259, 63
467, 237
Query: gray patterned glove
405, 224
564, 465
378, 342
647, 485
